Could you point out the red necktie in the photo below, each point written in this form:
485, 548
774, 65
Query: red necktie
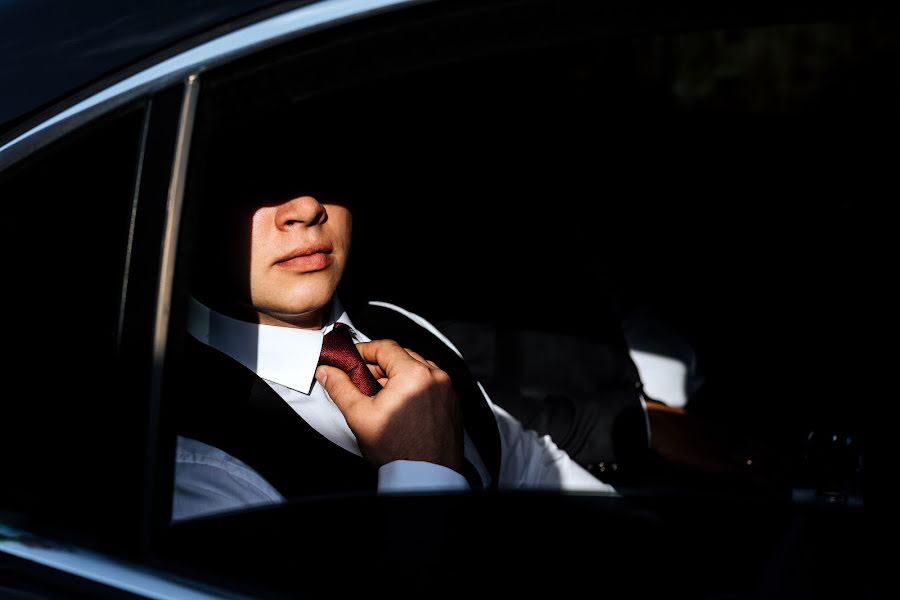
338, 350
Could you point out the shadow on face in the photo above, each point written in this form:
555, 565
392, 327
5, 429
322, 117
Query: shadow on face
274, 224
275, 262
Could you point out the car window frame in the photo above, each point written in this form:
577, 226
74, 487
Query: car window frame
160, 74
237, 64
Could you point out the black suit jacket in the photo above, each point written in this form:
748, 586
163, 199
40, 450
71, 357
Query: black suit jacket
224, 404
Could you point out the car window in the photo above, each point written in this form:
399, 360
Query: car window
643, 252
67, 211
557, 207
614, 243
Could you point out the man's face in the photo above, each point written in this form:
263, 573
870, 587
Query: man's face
295, 259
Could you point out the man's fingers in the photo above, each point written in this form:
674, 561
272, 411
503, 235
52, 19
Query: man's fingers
387, 354
376, 371
338, 385
421, 358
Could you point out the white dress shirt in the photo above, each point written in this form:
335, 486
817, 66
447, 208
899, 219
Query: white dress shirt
209, 480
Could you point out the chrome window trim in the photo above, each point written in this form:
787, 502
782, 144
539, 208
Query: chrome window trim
173, 224
195, 60
132, 219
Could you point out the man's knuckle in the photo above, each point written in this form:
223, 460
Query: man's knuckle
420, 372
441, 377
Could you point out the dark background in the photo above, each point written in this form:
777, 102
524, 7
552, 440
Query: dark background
735, 181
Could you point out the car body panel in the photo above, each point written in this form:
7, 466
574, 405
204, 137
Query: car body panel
121, 574
53, 49
208, 54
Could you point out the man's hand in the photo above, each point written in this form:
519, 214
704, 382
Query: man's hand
415, 417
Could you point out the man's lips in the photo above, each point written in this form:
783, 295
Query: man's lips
306, 259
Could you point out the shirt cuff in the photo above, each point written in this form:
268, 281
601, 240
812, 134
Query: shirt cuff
419, 476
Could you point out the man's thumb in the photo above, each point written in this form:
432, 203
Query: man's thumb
338, 385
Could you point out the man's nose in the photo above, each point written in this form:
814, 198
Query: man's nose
305, 210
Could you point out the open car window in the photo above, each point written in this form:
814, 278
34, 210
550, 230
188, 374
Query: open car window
646, 248
591, 220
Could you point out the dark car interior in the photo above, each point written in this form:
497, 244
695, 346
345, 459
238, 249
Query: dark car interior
560, 186
538, 187
551, 186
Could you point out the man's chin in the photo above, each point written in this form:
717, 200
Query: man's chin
306, 314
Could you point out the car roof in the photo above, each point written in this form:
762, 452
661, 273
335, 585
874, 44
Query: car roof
51, 49
185, 59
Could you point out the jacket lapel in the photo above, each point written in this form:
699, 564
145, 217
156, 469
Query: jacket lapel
227, 406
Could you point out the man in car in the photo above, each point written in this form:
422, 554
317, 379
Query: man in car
263, 415
266, 413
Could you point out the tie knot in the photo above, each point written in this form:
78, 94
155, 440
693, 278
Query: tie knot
339, 350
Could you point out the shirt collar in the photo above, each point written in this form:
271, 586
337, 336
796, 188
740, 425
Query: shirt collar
284, 355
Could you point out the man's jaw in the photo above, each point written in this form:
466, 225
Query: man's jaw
314, 318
